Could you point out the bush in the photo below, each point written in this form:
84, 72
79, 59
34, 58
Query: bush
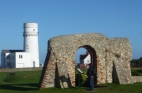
85, 80
135, 73
81, 80
84, 77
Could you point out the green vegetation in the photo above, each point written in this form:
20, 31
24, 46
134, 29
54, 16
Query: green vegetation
136, 72
27, 82
136, 62
82, 80
22, 77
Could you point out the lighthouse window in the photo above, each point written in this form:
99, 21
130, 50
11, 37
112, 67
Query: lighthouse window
33, 29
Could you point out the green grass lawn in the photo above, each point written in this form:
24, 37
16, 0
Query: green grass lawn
27, 82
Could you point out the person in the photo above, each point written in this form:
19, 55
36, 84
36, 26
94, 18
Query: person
90, 74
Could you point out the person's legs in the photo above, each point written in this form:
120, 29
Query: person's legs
91, 84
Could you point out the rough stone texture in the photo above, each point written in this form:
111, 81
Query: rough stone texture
137, 79
111, 59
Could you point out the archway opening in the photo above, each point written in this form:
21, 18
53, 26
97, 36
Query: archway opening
85, 56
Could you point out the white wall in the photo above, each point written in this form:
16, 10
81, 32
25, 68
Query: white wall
32, 43
17, 60
87, 60
22, 60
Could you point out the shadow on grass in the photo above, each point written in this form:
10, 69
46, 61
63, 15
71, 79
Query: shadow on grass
20, 87
100, 86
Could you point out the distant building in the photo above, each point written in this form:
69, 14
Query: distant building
85, 59
29, 56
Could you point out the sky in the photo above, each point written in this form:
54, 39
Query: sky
113, 18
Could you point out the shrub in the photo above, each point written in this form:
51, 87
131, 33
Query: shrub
81, 80
135, 73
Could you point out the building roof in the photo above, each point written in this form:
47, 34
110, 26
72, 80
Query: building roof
11, 51
83, 56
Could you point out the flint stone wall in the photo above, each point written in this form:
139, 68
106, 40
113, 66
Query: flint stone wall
113, 59
137, 79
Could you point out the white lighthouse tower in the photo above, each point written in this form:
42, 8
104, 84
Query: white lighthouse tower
31, 43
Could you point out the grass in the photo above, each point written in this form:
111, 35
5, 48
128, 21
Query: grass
27, 81
22, 77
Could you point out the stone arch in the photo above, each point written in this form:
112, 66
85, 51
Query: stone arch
61, 52
93, 55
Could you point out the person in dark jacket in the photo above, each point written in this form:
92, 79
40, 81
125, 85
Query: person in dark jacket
90, 74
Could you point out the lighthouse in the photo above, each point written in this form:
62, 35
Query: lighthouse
30, 35
28, 57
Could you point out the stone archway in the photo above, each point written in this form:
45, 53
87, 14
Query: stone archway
93, 55
59, 65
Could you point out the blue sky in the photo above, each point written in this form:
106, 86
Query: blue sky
113, 18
